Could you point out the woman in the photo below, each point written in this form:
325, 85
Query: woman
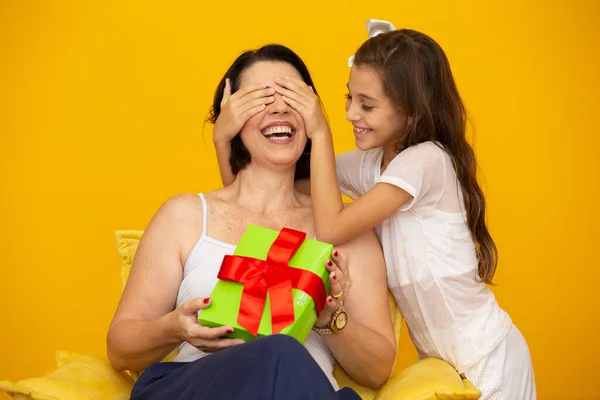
178, 259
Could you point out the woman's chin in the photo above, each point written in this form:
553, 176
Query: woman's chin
284, 163
283, 155
278, 162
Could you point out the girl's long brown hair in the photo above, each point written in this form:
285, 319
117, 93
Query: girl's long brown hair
416, 75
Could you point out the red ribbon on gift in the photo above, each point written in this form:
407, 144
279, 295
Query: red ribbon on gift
276, 277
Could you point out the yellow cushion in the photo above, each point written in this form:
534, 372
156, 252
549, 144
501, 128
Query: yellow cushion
77, 377
127, 243
429, 379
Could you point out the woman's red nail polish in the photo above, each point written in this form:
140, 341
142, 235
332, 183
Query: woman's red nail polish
335, 253
334, 277
206, 300
229, 331
329, 263
331, 299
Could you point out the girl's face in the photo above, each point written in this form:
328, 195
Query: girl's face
377, 120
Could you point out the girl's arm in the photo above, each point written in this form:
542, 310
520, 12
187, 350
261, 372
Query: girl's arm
235, 110
223, 150
334, 223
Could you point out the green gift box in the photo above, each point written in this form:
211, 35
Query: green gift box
268, 284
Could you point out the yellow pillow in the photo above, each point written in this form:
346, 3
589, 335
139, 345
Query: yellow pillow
77, 377
428, 379
127, 243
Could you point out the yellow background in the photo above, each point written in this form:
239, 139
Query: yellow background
101, 119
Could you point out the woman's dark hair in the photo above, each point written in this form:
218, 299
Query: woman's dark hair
240, 157
416, 75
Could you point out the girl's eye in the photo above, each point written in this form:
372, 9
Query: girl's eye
363, 106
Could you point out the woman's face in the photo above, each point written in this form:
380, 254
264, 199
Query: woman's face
275, 137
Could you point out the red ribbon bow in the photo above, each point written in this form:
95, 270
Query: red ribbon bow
275, 276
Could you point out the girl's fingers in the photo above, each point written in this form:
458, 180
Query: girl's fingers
256, 94
293, 83
226, 92
295, 86
292, 95
255, 103
251, 112
296, 105
248, 89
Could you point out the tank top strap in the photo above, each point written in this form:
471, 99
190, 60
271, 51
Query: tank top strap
204, 215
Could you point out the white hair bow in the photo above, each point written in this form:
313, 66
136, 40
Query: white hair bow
375, 27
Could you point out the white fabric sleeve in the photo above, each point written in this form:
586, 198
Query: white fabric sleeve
418, 170
349, 173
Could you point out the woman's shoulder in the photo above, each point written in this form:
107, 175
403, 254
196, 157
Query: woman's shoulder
179, 219
181, 208
182, 202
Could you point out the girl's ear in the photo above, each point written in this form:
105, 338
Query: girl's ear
410, 120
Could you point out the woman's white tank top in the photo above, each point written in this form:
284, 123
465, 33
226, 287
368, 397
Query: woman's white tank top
199, 279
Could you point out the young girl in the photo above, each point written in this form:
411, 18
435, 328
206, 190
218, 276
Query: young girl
413, 178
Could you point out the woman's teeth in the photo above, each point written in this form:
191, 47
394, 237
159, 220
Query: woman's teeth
278, 133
